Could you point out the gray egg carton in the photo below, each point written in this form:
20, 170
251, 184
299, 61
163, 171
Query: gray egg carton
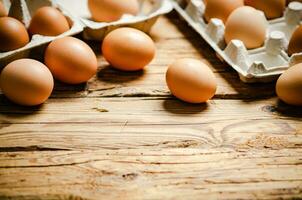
23, 11
78, 16
147, 16
262, 64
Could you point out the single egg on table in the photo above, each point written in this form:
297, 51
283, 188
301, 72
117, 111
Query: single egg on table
248, 25
13, 34
221, 9
70, 60
289, 85
3, 11
26, 82
295, 43
191, 80
48, 21
271, 8
112, 10
128, 49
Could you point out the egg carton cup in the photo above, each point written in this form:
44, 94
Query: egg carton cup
23, 10
149, 12
262, 64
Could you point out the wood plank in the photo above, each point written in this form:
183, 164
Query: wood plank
152, 174
114, 123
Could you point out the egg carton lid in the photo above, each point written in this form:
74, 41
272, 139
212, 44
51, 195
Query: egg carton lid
262, 64
97, 30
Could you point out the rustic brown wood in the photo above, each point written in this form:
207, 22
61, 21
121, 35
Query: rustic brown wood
123, 136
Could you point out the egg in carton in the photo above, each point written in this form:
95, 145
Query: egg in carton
23, 10
149, 11
262, 64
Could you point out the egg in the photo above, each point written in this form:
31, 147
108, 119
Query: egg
191, 80
26, 82
289, 86
221, 9
13, 34
3, 11
128, 49
70, 60
48, 21
295, 43
271, 8
112, 10
248, 25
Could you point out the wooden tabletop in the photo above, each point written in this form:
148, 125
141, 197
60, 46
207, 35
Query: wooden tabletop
123, 136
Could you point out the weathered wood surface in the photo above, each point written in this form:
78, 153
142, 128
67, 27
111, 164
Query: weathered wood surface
123, 136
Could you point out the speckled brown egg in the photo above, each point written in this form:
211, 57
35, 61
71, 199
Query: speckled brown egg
295, 43
128, 49
289, 86
48, 21
13, 34
191, 80
3, 11
112, 10
248, 25
271, 8
221, 9
26, 82
70, 60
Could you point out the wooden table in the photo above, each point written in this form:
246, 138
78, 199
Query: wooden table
123, 136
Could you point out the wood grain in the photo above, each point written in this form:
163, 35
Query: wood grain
123, 136
114, 123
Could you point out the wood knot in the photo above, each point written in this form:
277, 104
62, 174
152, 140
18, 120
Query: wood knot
130, 176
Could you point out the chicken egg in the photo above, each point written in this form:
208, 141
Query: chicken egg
271, 8
13, 34
112, 10
289, 85
295, 43
248, 25
191, 80
3, 11
70, 60
128, 49
48, 21
26, 82
221, 9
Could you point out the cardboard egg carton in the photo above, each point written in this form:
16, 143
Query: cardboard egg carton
23, 10
78, 15
262, 64
149, 11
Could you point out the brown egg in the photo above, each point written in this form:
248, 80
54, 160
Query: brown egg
221, 9
112, 10
271, 8
26, 82
128, 49
3, 11
248, 25
13, 34
289, 86
70, 60
48, 21
295, 43
191, 80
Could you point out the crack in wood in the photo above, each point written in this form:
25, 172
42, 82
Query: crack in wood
31, 148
